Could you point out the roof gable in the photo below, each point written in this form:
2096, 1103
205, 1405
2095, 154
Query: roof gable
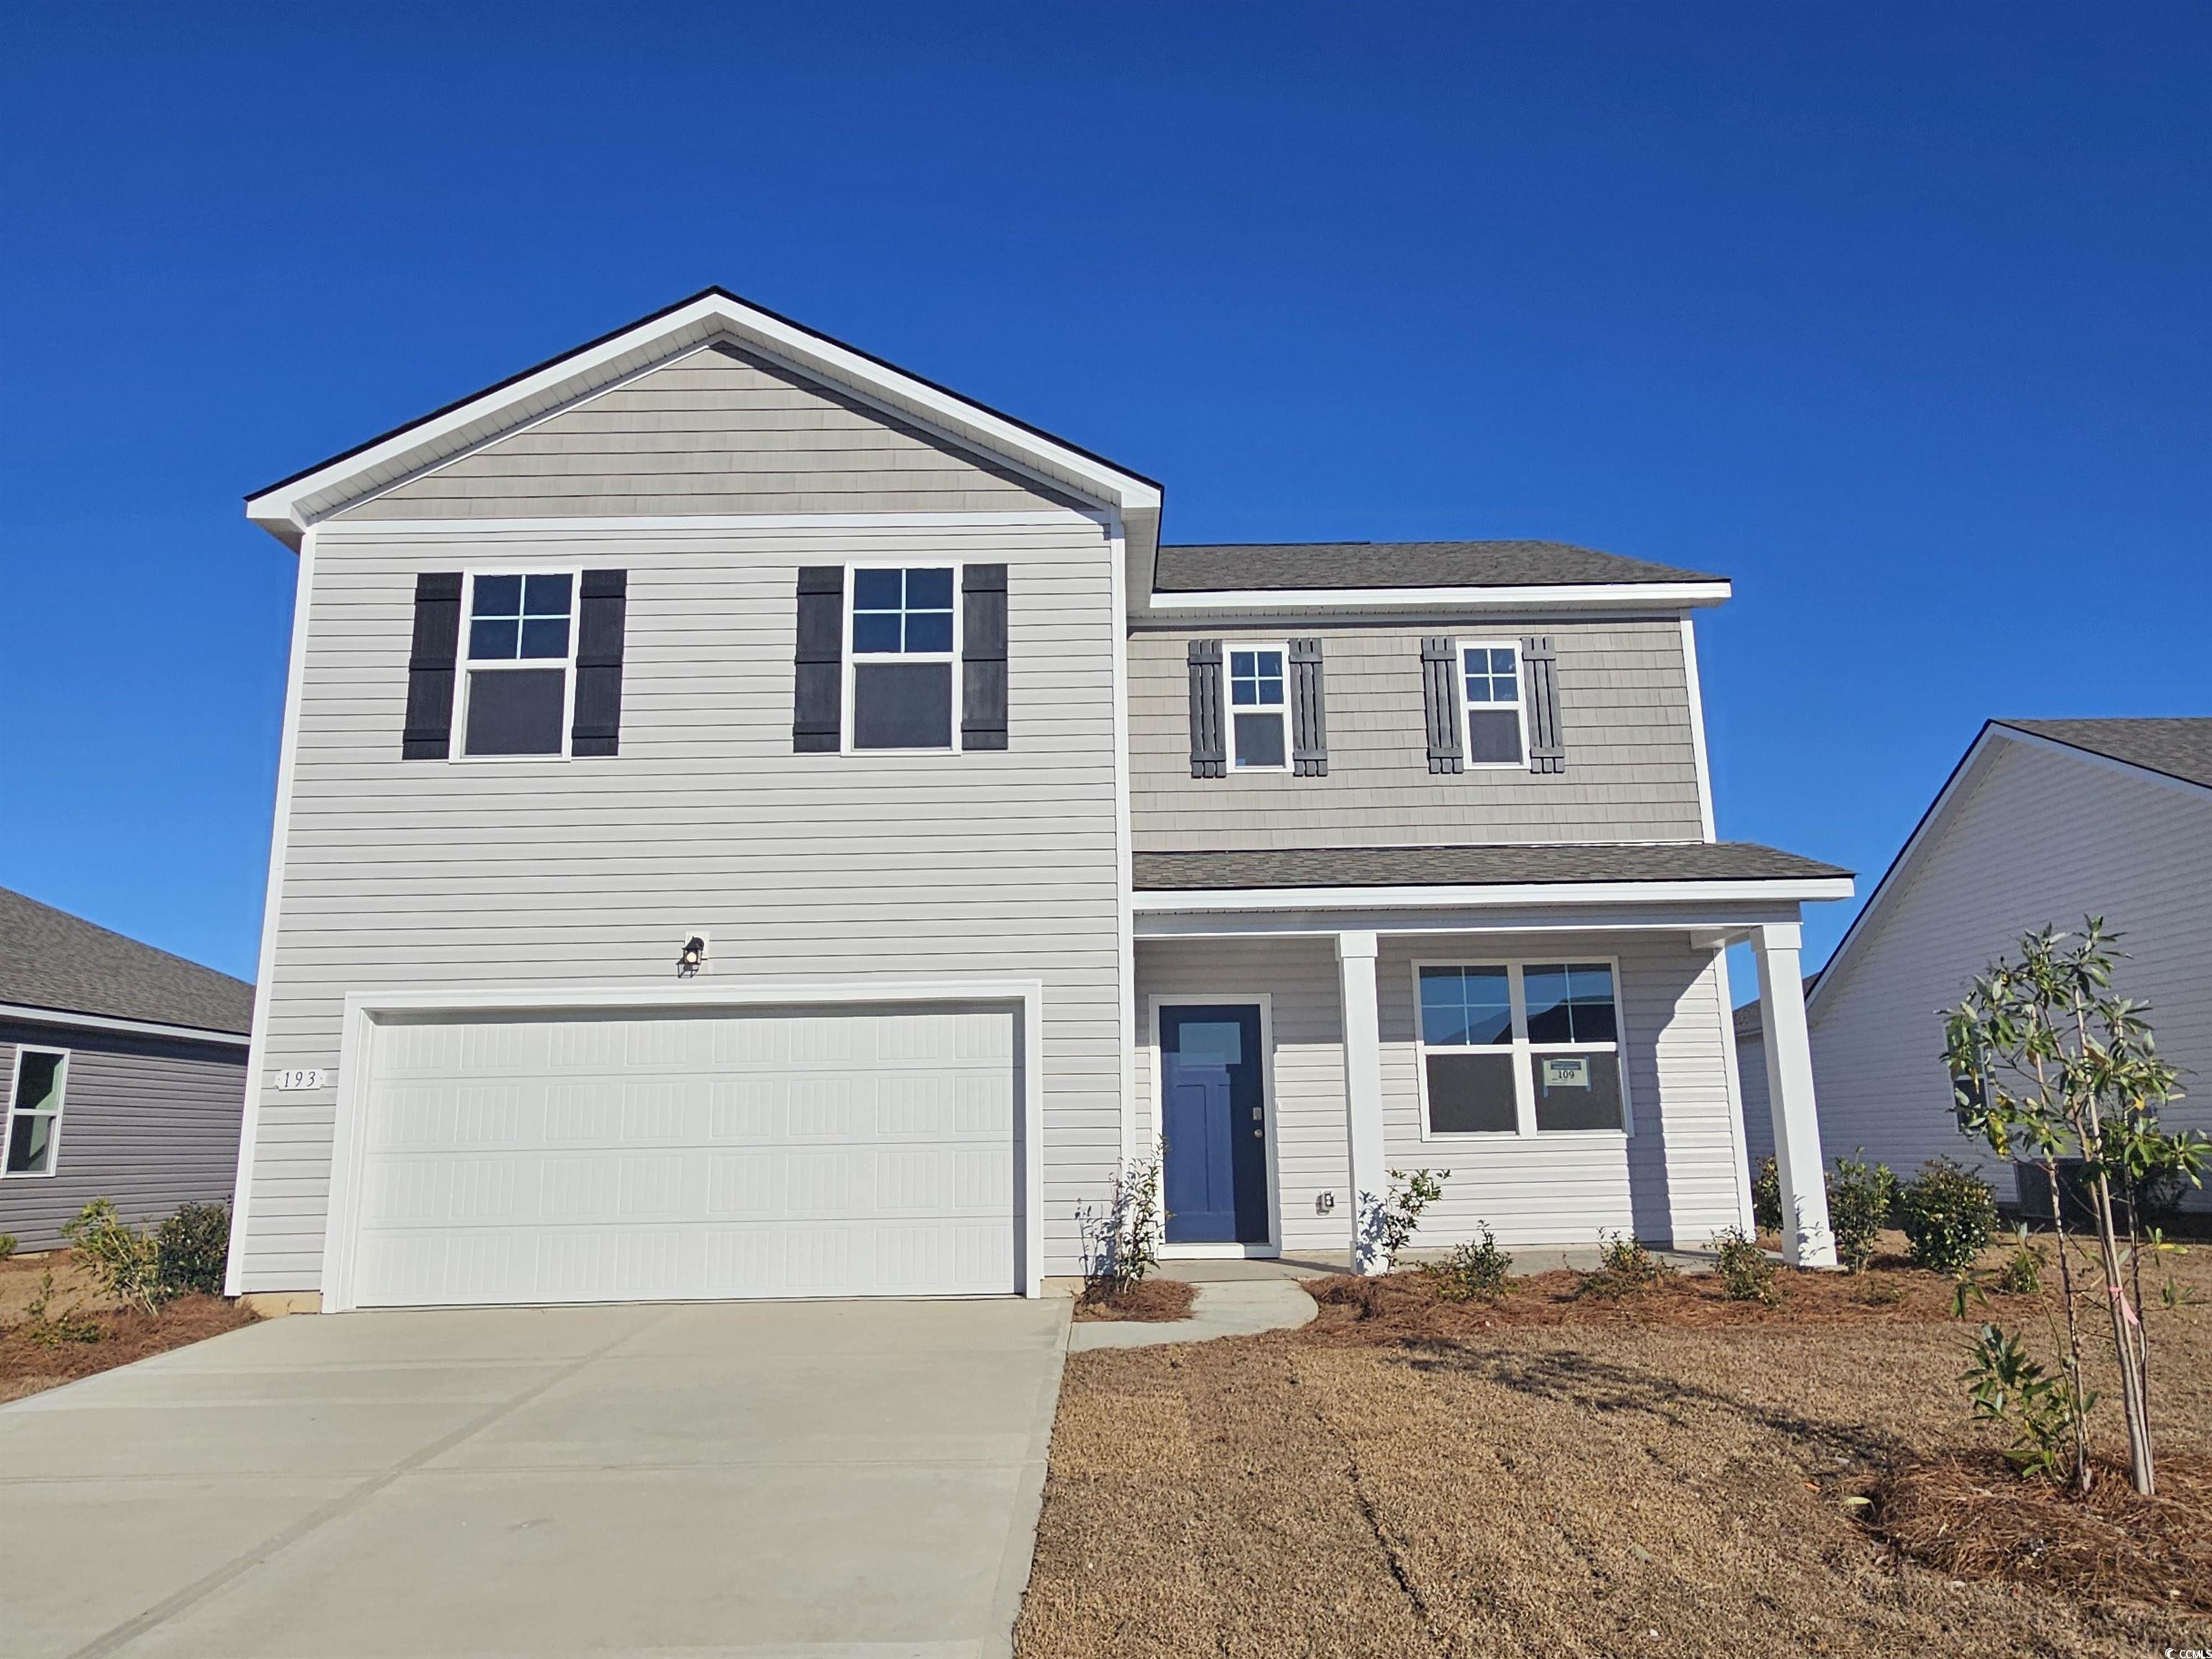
2179, 748
288, 507
716, 430
51, 959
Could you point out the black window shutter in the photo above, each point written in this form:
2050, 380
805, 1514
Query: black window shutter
1440, 700
1540, 670
818, 683
1308, 717
603, 602
429, 734
1208, 758
983, 657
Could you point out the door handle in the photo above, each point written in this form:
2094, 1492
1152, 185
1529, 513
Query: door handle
1259, 1134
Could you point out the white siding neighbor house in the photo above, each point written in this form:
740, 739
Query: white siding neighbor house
752, 822
2044, 822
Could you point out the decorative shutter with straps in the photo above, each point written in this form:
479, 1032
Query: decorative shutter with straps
429, 734
819, 675
1540, 671
983, 657
602, 604
1440, 700
1308, 720
1208, 757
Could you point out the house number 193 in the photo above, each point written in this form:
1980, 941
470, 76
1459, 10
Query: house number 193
310, 1079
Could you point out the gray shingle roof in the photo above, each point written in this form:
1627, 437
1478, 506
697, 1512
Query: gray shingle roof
2180, 747
1472, 867
51, 959
1192, 569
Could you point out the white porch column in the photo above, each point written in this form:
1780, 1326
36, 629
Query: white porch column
1363, 1089
1807, 1241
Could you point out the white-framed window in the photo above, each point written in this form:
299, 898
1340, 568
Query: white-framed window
1258, 678
903, 657
1520, 1047
517, 683
34, 1110
1489, 683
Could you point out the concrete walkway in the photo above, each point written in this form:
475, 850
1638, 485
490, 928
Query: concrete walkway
827, 1479
1225, 1307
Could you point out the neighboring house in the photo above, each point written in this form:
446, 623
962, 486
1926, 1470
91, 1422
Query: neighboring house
752, 822
2043, 823
125, 1070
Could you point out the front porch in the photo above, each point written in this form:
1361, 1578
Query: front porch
1568, 1055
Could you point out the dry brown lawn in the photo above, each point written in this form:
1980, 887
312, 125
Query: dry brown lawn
1556, 1477
125, 1334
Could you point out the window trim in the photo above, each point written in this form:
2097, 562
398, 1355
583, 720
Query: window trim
1467, 708
61, 1100
465, 668
851, 658
1523, 1051
1229, 650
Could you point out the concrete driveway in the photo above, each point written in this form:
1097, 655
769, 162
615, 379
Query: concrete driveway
818, 1479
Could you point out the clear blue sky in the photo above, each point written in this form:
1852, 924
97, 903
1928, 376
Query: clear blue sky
1900, 316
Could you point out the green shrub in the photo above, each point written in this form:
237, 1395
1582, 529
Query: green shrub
1387, 1224
1625, 1267
191, 1250
1949, 1214
50, 1329
122, 1260
1747, 1272
2042, 1414
2022, 1272
1859, 1199
1470, 1270
7, 1245
1766, 1197
1120, 1242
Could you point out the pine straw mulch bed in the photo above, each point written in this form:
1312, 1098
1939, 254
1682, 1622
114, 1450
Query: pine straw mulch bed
1670, 1475
125, 1334
1147, 1299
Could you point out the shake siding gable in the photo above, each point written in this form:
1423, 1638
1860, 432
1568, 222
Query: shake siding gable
1626, 723
540, 873
720, 430
2041, 838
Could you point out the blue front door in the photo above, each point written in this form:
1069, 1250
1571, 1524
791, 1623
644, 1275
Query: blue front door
1213, 1117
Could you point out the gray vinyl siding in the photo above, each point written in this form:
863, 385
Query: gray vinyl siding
517, 875
148, 1122
1674, 1180
2040, 838
1632, 771
718, 431
1757, 1115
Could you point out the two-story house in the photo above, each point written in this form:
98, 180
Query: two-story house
752, 822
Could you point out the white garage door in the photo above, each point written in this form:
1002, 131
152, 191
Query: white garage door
812, 1152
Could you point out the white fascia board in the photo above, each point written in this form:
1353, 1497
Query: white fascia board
1500, 895
28, 1015
285, 510
1650, 596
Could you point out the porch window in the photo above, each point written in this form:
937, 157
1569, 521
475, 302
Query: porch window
1520, 1047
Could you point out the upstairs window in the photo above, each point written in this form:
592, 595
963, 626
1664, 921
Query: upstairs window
34, 1110
904, 646
1520, 1047
1260, 719
521, 646
1490, 673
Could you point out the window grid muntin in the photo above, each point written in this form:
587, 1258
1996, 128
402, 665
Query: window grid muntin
541, 613
1501, 693
469, 665
853, 655
916, 621
51, 1116
1524, 1051
1256, 690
